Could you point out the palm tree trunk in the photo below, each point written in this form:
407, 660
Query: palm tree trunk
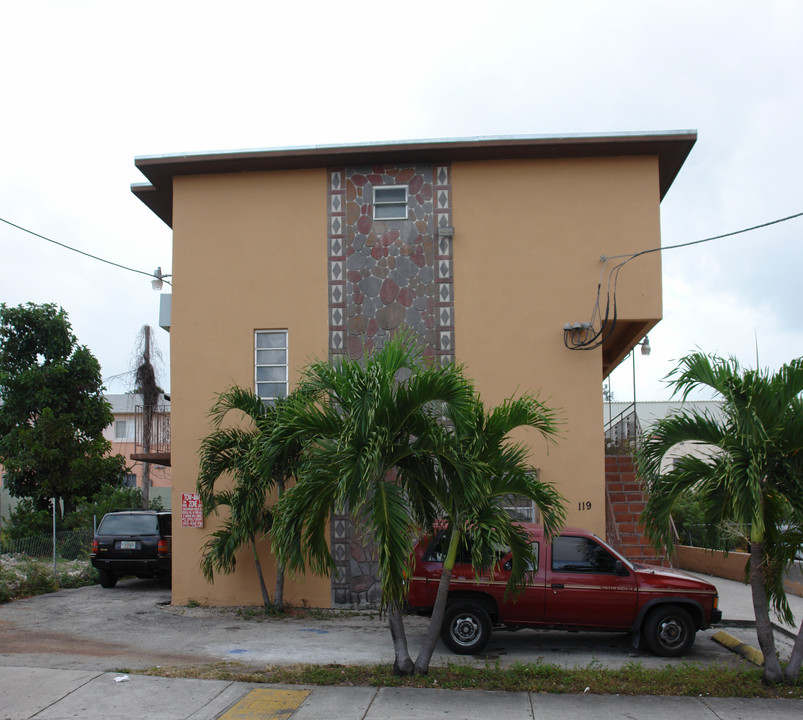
766, 639
278, 596
439, 608
278, 593
403, 663
793, 666
265, 596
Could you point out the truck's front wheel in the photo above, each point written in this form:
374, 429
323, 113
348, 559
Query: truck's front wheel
466, 628
669, 631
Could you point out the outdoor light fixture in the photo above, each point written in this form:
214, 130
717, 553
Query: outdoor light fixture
645, 346
159, 279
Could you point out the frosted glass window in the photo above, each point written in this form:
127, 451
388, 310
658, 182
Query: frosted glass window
271, 357
390, 202
270, 364
274, 372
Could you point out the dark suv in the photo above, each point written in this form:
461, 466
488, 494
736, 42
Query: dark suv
133, 542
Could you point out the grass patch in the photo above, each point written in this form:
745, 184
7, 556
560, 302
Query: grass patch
686, 679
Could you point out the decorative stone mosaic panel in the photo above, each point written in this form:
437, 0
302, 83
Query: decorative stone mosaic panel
389, 267
337, 257
444, 295
385, 275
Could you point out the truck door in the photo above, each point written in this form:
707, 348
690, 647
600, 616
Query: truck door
586, 585
526, 607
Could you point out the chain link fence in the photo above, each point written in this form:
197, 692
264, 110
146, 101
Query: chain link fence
70, 545
28, 566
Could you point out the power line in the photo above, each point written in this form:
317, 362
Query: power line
704, 240
81, 252
583, 336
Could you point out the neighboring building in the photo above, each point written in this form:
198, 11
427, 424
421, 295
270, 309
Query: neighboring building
125, 435
486, 248
624, 427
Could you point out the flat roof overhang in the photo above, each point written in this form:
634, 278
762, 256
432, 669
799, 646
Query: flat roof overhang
624, 337
671, 149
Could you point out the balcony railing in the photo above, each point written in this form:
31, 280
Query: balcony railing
152, 434
623, 432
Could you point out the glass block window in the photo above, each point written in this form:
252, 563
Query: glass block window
390, 202
270, 364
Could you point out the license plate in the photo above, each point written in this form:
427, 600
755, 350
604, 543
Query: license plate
128, 544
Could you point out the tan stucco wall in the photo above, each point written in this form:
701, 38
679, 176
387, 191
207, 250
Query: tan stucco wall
249, 252
527, 246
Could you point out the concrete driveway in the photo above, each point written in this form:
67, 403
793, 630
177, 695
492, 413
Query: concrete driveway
133, 626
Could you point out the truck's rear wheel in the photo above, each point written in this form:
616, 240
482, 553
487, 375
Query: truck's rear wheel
107, 579
466, 628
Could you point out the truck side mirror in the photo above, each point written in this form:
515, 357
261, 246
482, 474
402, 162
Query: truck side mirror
620, 569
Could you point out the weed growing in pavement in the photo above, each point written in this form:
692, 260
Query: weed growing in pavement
686, 679
304, 612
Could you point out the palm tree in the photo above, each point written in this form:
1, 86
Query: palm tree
472, 494
238, 452
379, 441
753, 476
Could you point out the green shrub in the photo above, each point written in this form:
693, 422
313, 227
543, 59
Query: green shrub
21, 576
25, 520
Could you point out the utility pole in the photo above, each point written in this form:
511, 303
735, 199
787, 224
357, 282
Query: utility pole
147, 423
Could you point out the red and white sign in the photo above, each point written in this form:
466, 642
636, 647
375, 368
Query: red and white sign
191, 510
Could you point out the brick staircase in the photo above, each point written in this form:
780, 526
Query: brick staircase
625, 500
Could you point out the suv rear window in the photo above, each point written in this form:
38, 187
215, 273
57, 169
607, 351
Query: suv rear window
129, 525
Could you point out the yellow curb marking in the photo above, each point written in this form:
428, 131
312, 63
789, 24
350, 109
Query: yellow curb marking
266, 705
727, 640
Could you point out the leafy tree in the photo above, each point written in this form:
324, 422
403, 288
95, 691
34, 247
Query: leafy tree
753, 478
109, 498
396, 442
234, 453
53, 412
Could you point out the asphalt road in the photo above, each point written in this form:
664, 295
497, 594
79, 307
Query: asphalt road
134, 626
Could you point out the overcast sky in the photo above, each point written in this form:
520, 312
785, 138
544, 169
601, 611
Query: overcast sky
88, 86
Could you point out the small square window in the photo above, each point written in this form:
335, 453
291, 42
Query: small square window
390, 202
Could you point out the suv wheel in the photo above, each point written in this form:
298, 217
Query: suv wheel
466, 628
669, 631
107, 579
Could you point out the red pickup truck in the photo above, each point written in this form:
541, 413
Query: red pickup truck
580, 583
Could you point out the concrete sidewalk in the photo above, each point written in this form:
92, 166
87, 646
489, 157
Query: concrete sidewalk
40, 694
